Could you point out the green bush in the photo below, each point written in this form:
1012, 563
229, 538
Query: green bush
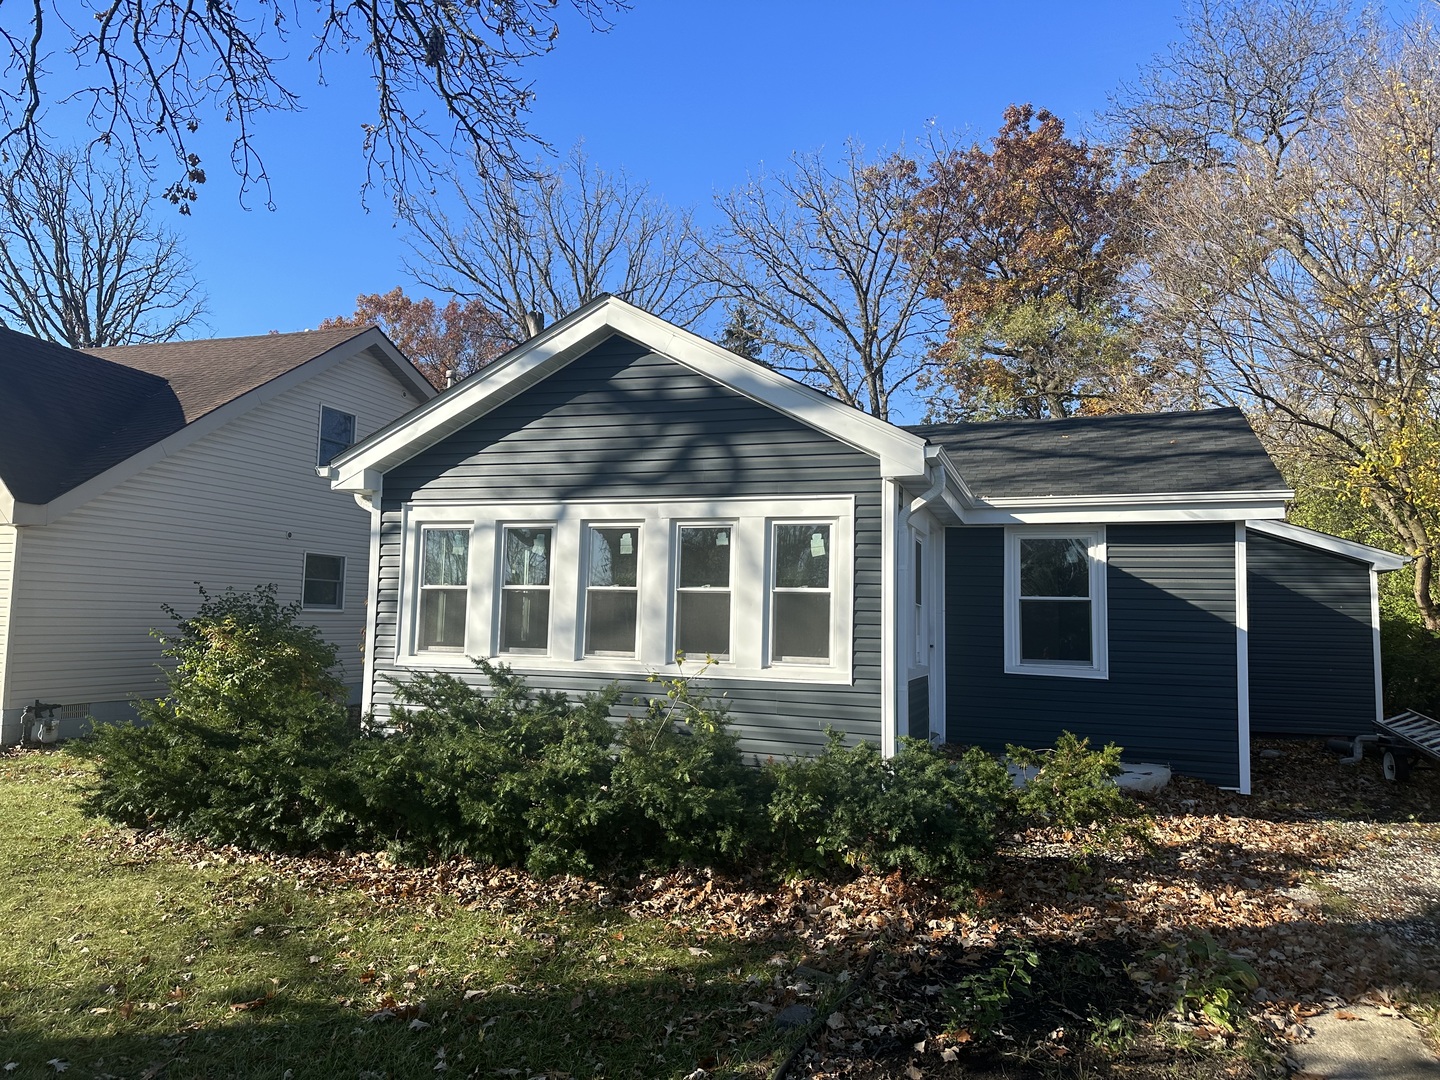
1074, 787
918, 812
1411, 665
247, 745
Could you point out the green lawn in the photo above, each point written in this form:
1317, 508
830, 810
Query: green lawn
118, 963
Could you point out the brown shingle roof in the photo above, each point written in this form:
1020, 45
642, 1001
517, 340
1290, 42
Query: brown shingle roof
69, 415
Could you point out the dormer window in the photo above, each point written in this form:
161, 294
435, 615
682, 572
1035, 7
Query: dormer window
337, 434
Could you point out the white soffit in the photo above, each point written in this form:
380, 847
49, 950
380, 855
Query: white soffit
1378, 558
901, 454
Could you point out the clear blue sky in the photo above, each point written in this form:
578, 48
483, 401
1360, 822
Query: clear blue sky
688, 96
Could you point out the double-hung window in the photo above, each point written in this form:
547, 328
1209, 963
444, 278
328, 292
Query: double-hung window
702, 591
1055, 603
444, 588
800, 594
337, 434
525, 589
612, 590
324, 583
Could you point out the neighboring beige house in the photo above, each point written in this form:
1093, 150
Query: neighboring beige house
129, 475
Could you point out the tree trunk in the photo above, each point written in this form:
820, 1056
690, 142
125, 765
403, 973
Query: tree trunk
1424, 567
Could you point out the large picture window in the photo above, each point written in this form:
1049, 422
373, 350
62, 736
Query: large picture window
612, 591
525, 590
702, 591
1055, 603
444, 588
800, 594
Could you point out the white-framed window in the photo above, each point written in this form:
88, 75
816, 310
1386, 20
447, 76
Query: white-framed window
337, 434
617, 587
612, 589
1055, 603
444, 589
324, 583
801, 606
525, 565
704, 613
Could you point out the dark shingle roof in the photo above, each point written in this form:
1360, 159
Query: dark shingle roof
1131, 454
69, 415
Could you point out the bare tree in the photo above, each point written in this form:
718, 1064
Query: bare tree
1297, 260
151, 72
547, 242
82, 262
821, 257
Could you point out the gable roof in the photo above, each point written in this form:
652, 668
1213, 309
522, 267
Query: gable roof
1213, 450
361, 468
72, 415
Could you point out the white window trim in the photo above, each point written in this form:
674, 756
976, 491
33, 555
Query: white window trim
344, 572
658, 522
320, 431
1094, 537
771, 589
409, 643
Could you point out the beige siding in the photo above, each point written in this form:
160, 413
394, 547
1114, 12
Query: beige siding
239, 507
7, 568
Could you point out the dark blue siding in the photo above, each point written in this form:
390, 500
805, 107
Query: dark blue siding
624, 423
1312, 659
919, 698
1172, 691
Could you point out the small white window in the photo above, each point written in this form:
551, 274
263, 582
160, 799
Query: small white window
337, 434
800, 613
612, 591
444, 588
1055, 619
525, 590
324, 588
702, 591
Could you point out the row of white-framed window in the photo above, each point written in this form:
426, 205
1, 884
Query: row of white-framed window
614, 572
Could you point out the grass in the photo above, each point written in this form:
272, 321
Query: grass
117, 964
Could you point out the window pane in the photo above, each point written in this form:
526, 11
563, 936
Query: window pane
610, 621
525, 619
1055, 630
527, 556
442, 619
802, 626
1058, 567
614, 556
446, 556
705, 558
337, 433
702, 623
324, 581
802, 556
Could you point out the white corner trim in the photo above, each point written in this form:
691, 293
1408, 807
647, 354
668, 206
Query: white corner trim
900, 452
1379, 559
1375, 646
892, 496
1242, 656
372, 606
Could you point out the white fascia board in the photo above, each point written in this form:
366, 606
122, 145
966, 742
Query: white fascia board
901, 454
1378, 558
216, 418
1119, 509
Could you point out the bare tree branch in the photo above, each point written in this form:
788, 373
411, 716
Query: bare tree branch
82, 262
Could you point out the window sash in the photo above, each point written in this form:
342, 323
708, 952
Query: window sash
802, 614
527, 568
612, 592
704, 607
336, 435
444, 589
323, 585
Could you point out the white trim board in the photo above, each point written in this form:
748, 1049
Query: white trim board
1379, 559
901, 454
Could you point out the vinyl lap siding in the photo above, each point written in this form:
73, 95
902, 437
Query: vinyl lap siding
622, 423
8, 543
1312, 667
1171, 694
239, 507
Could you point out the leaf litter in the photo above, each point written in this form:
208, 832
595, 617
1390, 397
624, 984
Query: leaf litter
1324, 882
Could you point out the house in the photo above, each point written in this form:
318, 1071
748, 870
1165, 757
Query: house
616, 491
128, 475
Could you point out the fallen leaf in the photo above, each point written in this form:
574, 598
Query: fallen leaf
58, 1064
248, 1006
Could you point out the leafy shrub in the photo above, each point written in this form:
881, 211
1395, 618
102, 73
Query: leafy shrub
917, 812
246, 746
1210, 982
1412, 665
1074, 787
516, 777
978, 1002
